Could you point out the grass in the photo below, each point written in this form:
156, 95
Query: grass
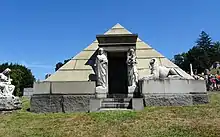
191, 121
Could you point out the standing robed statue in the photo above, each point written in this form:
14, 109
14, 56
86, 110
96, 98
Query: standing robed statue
101, 68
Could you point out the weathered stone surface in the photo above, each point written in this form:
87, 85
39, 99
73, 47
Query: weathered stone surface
101, 92
172, 86
10, 103
46, 103
60, 103
200, 99
28, 92
76, 103
73, 87
94, 105
168, 100
137, 104
42, 88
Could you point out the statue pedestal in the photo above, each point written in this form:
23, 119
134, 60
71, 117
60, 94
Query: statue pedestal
101, 92
131, 90
8, 103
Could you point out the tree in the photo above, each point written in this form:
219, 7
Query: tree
201, 56
181, 60
22, 77
60, 64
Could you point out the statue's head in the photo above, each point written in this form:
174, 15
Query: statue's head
131, 51
153, 61
101, 51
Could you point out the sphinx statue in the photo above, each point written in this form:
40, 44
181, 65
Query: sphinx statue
162, 72
7, 100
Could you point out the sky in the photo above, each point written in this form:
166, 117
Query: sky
40, 33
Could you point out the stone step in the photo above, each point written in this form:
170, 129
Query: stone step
117, 95
117, 100
114, 109
114, 105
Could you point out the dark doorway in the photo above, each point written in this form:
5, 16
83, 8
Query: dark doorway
117, 73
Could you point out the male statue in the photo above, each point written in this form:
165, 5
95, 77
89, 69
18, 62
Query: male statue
101, 69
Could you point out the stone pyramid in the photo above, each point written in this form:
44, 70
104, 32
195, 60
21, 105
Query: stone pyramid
80, 67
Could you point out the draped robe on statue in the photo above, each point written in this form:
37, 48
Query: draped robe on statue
102, 67
132, 70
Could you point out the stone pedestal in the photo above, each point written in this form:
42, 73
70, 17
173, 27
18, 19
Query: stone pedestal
173, 92
101, 92
94, 105
137, 104
8, 103
131, 90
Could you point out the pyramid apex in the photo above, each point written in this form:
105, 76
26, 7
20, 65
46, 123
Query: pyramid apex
118, 26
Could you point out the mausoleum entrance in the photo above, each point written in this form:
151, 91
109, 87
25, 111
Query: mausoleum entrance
117, 73
116, 66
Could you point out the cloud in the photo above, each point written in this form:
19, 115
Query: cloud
36, 65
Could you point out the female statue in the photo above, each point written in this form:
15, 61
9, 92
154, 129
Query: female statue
132, 69
102, 67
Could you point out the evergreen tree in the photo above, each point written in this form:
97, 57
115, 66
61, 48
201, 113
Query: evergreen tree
201, 56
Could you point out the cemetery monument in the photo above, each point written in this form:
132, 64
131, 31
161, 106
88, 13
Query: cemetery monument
118, 71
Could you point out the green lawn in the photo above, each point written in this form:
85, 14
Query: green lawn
194, 121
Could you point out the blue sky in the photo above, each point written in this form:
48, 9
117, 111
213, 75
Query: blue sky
41, 33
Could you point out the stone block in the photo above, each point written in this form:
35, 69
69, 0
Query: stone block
101, 92
101, 95
198, 86
76, 103
42, 88
168, 100
172, 86
74, 87
46, 103
95, 105
137, 104
152, 86
28, 92
200, 99
9, 103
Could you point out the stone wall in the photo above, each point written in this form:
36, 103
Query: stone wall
28, 92
173, 92
68, 87
62, 96
60, 103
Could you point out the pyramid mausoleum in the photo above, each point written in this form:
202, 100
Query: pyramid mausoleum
80, 68
113, 73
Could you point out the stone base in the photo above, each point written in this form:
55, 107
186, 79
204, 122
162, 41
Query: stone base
200, 98
9, 103
175, 99
137, 104
95, 105
60, 103
131, 90
101, 92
